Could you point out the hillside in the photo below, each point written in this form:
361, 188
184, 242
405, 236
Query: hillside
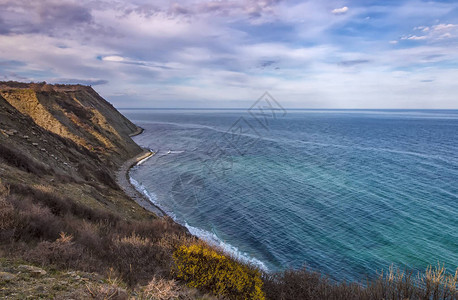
60, 149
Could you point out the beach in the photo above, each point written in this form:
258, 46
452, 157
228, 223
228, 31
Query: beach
122, 178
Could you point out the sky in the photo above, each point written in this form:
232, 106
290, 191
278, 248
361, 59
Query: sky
209, 54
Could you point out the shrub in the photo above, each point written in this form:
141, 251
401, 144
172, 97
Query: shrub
137, 259
162, 289
6, 210
435, 283
61, 206
105, 178
105, 291
153, 229
205, 268
62, 253
33, 221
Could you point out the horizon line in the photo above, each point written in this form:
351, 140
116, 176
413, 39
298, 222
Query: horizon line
241, 108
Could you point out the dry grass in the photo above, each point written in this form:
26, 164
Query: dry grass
17, 159
434, 283
58, 231
6, 209
162, 289
42, 227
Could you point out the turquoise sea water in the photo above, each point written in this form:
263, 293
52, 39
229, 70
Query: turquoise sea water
347, 193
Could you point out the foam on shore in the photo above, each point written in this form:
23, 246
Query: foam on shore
139, 187
214, 240
146, 158
205, 235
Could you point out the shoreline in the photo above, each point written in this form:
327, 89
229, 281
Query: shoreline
137, 132
123, 180
131, 191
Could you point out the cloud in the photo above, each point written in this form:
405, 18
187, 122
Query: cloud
194, 51
46, 16
80, 81
268, 63
340, 11
351, 63
434, 33
441, 27
114, 58
414, 38
63, 14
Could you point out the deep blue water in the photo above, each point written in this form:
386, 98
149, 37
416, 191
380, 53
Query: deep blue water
345, 192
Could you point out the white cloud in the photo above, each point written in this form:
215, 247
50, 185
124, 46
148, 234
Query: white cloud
447, 35
113, 58
444, 26
339, 11
415, 38
422, 28
434, 33
209, 51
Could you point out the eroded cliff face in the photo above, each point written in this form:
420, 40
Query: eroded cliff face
76, 113
60, 205
67, 138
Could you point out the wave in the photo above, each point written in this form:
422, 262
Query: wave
177, 152
293, 142
141, 188
207, 236
214, 240
146, 158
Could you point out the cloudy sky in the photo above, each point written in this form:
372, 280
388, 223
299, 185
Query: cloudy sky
197, 53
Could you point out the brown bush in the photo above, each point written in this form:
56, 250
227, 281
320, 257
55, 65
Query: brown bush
62, 206
61, 253
103, 292
6, 209
137, 250
105, 178
435, 283
36, 222
162, 289
154, 229
137, 259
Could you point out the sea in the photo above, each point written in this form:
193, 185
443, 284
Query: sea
348, 193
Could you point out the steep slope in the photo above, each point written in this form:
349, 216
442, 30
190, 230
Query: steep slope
61, 208
68, 139
76, 113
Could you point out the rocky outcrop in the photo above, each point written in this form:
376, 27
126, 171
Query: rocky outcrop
76, 113
67, 138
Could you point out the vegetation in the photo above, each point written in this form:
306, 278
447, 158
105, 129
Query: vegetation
203, 267
435, 283
62, 211
19, 160
48, 230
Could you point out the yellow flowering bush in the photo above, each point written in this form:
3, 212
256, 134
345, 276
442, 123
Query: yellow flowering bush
203, 267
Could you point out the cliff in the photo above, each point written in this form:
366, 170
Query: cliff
62, 213
67, 138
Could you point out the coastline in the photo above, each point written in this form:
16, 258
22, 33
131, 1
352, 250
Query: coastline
137, 132
123, 180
